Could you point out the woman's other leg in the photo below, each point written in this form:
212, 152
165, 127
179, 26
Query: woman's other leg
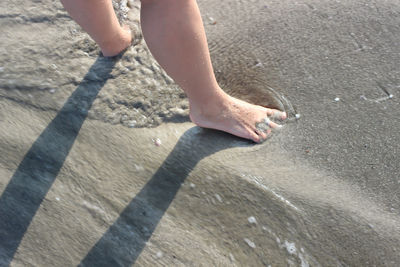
98, 19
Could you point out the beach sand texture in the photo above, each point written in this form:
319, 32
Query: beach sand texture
100, 165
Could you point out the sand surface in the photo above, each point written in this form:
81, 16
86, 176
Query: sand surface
100, 165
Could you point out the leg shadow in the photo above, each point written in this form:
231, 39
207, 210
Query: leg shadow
39, 168
126, 238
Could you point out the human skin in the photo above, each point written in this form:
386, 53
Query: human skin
98, 19
174, 32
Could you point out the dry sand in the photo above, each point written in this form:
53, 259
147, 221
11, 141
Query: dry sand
100, 165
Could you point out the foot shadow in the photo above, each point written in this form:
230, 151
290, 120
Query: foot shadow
123, 242
40, 166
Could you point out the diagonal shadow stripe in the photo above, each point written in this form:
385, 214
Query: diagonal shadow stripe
127, 236
39, 168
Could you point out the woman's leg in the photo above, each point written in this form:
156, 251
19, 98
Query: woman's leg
97, 17
174, 32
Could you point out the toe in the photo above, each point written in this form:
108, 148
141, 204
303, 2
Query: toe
270, 112
261, 134
254, 136
274, 125
276, 114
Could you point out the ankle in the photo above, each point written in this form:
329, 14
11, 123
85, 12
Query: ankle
211, 105
116, 43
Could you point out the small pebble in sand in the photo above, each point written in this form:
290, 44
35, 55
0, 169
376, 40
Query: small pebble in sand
249, 242
218, 197
390, 96
212, 21
124, 117
157, 141
231, 257
337, 99
159, 255
132, 124
297, 116
178, 111
52, 91
252, 220
57, 198
290, 247
192, 185
139, 167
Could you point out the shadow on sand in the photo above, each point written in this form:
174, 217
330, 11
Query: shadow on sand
126, 238
38, 170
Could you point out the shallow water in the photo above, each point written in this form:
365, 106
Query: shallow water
95, 188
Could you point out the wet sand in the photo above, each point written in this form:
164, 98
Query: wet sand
100, 165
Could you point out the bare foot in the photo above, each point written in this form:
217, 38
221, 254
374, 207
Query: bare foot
235, 116
117, 43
